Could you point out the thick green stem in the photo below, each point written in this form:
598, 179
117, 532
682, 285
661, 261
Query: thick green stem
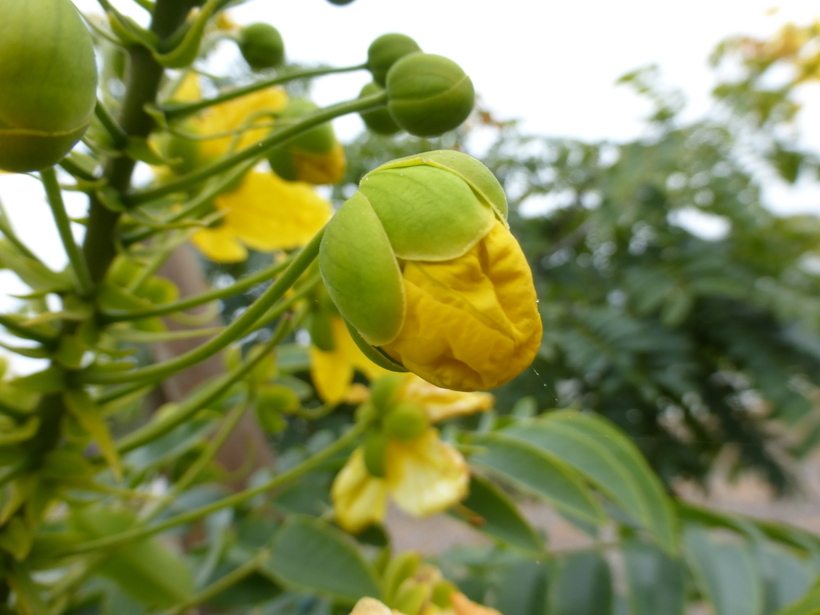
175, 111
245, 283
258, 150
82, 276
285, 477
234, 331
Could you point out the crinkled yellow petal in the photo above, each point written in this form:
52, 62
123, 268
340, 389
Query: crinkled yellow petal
332, 372
462, 605
442, 404
371, 606
472, 322
320, 169
268, 213
425, 476
237, 114
220, 245
359, 498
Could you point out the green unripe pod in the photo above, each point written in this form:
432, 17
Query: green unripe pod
386, 51
375, 449
48, 82
262, 46
405, 422
428, 94
379, 121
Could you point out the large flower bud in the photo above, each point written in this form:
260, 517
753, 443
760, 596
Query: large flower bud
386, 51
315, 157
421, 264
48, 82
262, 46
428, 94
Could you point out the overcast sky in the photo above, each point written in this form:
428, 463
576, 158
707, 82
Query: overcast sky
551, 64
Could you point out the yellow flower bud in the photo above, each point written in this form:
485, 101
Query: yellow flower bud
421, 264
48, 82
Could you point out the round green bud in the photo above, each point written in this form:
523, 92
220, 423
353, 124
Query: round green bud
319, 140
405, 422
386, 51
428, 94
281, 162
383, 390
375, 449
379, 121
48, 82
262, 46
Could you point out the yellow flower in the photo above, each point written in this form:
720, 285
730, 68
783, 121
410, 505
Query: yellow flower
421, 263
332, 371
371, 606
264, 213
423, 476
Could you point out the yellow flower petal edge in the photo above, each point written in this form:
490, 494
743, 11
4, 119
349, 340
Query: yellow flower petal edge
442, 404
462, 605
220, 245
359, 498
267, 213
471, 323
426, 476
371, 606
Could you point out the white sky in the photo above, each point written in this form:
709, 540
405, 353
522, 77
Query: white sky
551, 64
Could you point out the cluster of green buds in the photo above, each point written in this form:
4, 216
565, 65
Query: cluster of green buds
422, 266
427, 94
48, 82
262, 46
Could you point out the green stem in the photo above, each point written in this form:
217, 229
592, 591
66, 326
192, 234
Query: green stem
259, 149
119, 138
245, 283
201, 397
181, 110
229, 423
231, 333
85, 285
301, 469
223, 583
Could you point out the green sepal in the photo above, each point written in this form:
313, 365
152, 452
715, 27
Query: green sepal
374, 354
130, 32
361, 273
428, 213
472, 171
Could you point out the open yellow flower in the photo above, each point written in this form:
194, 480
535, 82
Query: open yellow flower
422, 475
264, 213
332, 370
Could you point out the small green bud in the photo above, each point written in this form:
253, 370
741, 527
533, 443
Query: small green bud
379, 121
385, 51
428, 94
384, 390
262, 46
375, 448
405, 422
319, 140
48, 82
272, 402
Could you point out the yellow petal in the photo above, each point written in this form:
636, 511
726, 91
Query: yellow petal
233, 115
188, 90
220, 245
359, 498
472, 322
426, 476
320, 169
332, 372
442, 404
462, 605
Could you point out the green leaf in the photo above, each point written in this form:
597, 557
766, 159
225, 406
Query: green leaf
523, 589
786, 577
145, 569
655, 581
32, 272
808, 605
90, 417
725, 572
600, 452
583, 586
538, 471
312, 555
490, 510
